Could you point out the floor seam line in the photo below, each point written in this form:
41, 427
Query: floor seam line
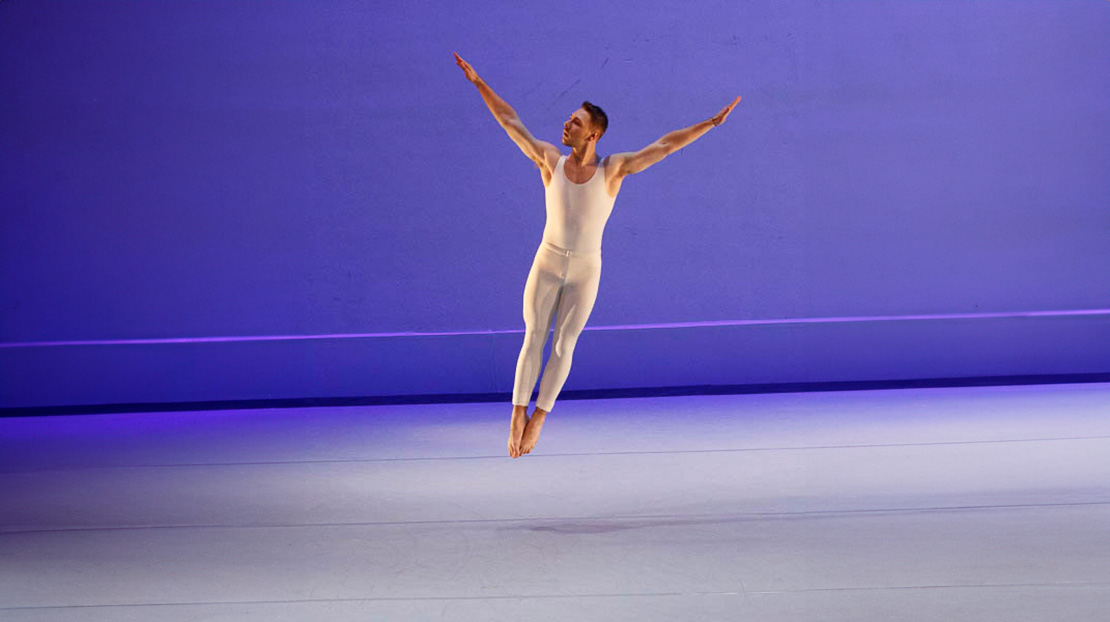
498, 457
478, 521
560, 596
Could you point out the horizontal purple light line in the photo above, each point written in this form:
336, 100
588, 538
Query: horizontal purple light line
805, 320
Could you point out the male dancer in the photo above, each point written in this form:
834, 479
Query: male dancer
566, 270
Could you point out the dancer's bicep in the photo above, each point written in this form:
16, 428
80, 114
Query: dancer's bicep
631, 162
536, 149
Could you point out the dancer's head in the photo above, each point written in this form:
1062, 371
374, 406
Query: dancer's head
586, 124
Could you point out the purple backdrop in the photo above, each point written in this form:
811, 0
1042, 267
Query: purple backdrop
181, 171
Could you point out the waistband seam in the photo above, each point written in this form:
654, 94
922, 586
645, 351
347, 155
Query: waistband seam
567, 252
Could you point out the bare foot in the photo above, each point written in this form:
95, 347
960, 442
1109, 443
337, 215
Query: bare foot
517, 425
532, 431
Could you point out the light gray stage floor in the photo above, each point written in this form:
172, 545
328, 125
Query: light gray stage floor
989, 503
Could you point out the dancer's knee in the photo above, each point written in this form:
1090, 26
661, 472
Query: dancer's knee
564, 346
534, 340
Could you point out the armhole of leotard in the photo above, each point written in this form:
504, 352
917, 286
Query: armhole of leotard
554, 172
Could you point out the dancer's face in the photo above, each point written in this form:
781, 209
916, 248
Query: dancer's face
578, 129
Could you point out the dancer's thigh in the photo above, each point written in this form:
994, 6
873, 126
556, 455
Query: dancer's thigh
579, 295
541, 291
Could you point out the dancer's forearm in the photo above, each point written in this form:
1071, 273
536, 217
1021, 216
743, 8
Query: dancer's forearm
501, 110
680, 138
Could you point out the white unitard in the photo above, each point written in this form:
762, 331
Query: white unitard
562, 284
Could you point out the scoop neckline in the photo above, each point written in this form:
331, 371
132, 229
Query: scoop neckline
569, 180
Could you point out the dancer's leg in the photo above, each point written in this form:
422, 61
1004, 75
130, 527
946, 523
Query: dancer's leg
541, 295
575, 305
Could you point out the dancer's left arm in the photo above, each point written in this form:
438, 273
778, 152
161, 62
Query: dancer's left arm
631, 162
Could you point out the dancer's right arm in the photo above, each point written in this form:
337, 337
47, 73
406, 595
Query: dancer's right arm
537, 150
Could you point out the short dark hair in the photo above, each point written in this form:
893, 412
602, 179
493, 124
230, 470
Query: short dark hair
598, 116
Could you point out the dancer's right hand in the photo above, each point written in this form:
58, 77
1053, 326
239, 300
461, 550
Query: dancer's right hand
720, 117
467, 69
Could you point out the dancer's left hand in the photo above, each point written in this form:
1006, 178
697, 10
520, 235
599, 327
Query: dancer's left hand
720, 117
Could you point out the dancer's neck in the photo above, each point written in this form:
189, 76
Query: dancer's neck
583, 156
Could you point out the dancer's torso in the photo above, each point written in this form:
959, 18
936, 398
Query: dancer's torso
577, 209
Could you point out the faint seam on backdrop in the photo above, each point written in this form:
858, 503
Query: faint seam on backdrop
809, 320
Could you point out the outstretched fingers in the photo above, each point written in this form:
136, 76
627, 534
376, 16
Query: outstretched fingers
723, 114
465, 66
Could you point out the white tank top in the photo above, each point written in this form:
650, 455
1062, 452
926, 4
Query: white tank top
577, 213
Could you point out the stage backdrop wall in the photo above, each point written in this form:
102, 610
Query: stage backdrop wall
246, 200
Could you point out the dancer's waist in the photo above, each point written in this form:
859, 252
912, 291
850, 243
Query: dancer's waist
567, 252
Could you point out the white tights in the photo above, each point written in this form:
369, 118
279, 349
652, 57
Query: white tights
562, 284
